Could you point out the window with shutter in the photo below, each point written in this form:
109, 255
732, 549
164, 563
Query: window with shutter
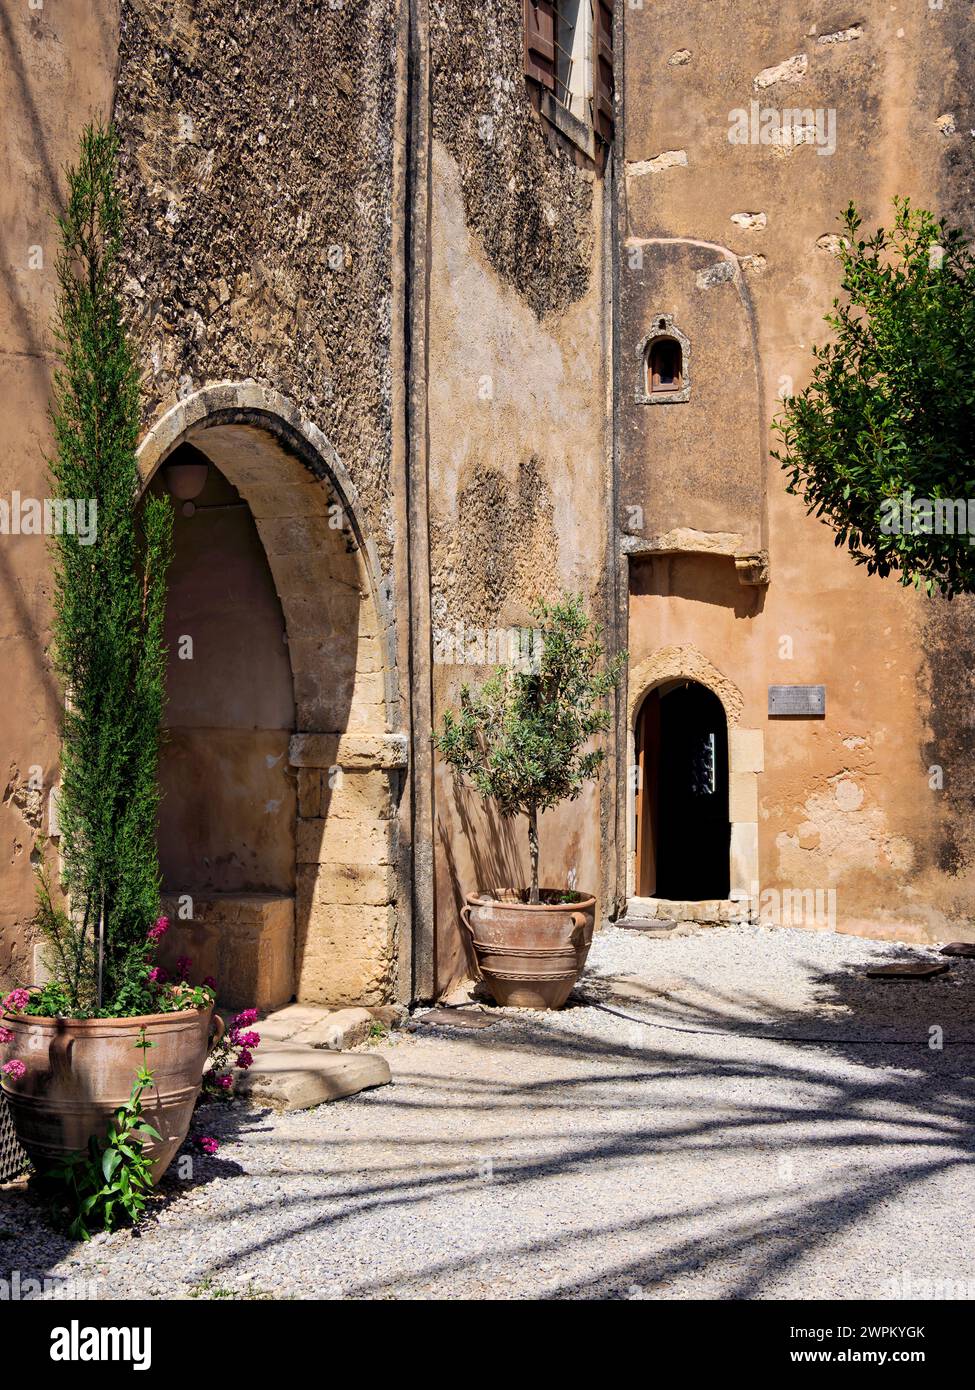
540, 42
602, 69
569, 54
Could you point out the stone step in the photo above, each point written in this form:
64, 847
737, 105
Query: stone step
292, 1076
315, 1025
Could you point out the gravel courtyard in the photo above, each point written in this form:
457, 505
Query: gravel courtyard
739, 1113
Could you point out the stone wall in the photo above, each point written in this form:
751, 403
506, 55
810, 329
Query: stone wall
848, 802
518, 462
258, 162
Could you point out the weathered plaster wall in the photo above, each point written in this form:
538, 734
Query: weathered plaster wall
56, 69
844, 802
517, 411
258, 161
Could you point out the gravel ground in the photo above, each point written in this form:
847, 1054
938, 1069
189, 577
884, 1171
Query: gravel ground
738, 1113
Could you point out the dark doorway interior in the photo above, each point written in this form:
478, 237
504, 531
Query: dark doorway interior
683, 834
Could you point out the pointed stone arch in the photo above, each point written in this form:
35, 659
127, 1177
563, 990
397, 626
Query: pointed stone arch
347, 752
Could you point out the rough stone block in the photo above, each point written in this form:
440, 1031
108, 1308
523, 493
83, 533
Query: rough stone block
368, 885
345, 954
245, 941
289, 1076
743, 797
309, 792
338, 1030
365, 795
326, 840
747, 750
744, 856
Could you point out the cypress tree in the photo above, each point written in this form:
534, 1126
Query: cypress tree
109, 606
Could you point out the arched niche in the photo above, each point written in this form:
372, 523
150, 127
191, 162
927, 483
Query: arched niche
331, 938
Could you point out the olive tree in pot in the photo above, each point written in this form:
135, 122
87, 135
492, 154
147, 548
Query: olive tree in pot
75, 1087
525, 740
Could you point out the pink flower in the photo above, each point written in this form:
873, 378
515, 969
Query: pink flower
160, 928
16, 1069
158, 975
6, 1034
247, 1016
208, 1144
17, 1000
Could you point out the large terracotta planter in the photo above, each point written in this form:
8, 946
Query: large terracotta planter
529, 954
79, 1071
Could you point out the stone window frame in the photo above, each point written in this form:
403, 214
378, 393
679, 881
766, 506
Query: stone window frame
746, 760
664, 329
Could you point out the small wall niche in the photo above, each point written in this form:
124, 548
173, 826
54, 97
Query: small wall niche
664, 364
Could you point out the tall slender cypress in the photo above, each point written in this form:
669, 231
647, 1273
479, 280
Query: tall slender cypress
109, 603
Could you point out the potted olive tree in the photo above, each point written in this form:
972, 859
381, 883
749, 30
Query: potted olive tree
525, 740
73, 1072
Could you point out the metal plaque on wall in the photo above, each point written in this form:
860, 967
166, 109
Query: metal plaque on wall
808, 700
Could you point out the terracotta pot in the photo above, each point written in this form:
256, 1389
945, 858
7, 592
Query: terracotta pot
529, 954
79, 1071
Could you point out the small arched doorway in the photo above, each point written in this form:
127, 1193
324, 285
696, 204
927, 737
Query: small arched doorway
683, 832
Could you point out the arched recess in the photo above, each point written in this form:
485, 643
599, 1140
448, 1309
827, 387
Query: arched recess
658, 671
335, 940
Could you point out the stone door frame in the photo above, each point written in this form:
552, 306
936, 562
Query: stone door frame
745, 762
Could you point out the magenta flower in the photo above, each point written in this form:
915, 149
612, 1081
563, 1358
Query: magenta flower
6, 1034
183, 965
158, 975
224, 1081
160, 928
15, 1069
208, 1144
244, 1058
17, 1000
248, 1040
247, 1016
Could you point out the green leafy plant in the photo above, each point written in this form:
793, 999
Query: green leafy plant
109, 604
889, 415
524, 739
110, 1182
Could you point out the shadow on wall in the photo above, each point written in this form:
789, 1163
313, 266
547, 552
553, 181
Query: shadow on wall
698, 578
497, 858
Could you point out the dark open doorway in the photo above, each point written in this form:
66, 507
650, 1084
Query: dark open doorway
683, 833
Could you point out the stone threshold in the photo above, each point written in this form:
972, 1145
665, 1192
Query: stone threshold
669, 913
303, 1059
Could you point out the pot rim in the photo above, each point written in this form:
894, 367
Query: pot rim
119, 1024
485, 899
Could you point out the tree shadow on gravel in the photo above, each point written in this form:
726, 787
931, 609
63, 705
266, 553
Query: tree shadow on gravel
666, 1140
831, 1090
32, 1245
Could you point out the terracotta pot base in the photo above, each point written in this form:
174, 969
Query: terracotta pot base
529, 954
